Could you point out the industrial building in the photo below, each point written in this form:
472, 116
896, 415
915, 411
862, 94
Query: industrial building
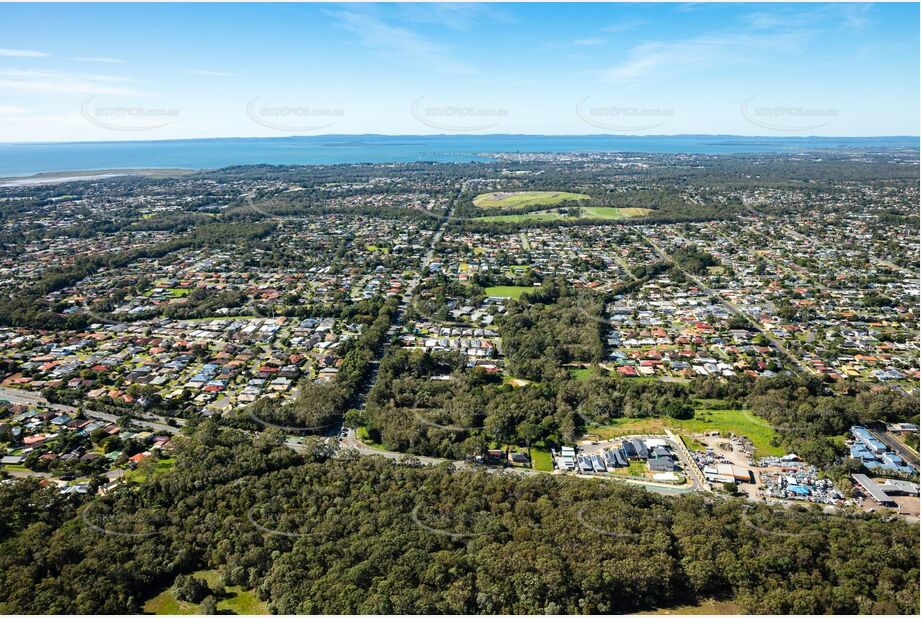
874, 454
727, 473
882, 492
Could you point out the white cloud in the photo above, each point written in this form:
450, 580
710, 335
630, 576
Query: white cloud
60, 82
589, 41
210, 73
852, 16
11, 110
856, 16
99, 60
623, 26
698, 53
22, 53
457, 16
378, 35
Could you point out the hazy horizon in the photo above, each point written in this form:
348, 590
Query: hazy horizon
94, 72
473, 135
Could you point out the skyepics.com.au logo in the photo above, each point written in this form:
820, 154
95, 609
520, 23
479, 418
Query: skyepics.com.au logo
293, 118
263, 207
622, 118
778, 524
442, 416
275, 520
107, 519
450, 521
457, 118
130, 118
306, 428
620, 520
787, 118
100, 319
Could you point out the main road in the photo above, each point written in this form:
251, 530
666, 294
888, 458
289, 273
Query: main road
405, 300
797, 363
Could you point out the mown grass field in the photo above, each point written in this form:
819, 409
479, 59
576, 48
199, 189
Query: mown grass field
543, 215
739, 422
236, 601
604, 212
585, 212
524, 199
541, 458
508, 291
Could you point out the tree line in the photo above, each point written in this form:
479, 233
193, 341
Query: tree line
312, 533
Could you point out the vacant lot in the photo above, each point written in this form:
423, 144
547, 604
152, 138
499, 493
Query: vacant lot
586, 212
739, 422
524, 199
541, 458
140, 475
581, 373
543, 215
508, 291
603, 212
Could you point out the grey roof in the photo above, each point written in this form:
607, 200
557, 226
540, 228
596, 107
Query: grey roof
872, 488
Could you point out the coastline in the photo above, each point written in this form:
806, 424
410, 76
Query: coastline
64, 160
49, 178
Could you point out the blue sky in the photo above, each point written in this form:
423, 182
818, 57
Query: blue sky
114, 72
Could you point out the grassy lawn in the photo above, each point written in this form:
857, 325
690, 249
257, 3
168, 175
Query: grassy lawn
739, 422
523, 199
362, 434
547, 215
692, 444
165, 603
604, 212
591, 212
236, 601
139, 475
525, 243
707, 606
508, 291
582, 373
243, 603
541, 458
179, 292
634, 468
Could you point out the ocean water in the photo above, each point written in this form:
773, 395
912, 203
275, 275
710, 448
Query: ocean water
23, 159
